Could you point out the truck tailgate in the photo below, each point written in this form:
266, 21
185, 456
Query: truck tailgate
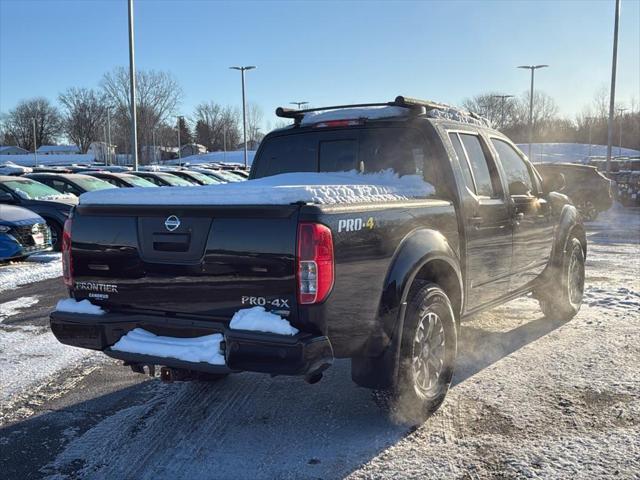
204, 261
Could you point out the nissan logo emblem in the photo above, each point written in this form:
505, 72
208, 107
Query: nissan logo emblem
171, 223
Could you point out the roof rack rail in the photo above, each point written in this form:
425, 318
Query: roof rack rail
415, 105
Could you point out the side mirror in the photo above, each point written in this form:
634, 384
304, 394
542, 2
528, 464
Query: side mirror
6, 197
554, 182
519, 188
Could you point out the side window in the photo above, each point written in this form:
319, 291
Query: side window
514, 166
479, 165
462, 159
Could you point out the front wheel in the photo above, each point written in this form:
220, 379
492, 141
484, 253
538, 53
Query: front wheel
56, 234
564, 297
427, 356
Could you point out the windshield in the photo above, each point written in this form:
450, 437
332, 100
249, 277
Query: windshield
229, 177
138, 181
90, 184
174, 180
202, 178
31, 190
363, 149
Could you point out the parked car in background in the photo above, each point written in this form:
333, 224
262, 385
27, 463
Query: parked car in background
22, 233
197, 177
590, 190
123, 180
73, 183
50, 204
220, 175
164, 179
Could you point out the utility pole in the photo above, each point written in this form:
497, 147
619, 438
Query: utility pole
299, 104
132, 91
590, 120
106, 150
224, 144
502, 98
244, 109
620, 112
35, 153
533, 68
179, 143
612, 92
109, 135
153, 138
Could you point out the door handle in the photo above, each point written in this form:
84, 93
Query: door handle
475, 221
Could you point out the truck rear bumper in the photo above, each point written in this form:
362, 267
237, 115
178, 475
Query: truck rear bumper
301, 354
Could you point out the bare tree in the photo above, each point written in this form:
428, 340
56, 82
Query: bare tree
254, 122
85, 115
158, 96
18, 123
216, 126
490, 106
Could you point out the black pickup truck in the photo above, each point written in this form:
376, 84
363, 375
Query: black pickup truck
385, 284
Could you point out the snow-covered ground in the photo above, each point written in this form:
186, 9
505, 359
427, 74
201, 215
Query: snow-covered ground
571, 152
532, 398
34, 269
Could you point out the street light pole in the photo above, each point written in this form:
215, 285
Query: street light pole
620, 112
299, 104
612, 92
35, 153
533, 68
502, 98
244, 109
132, 90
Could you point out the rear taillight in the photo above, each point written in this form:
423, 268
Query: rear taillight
67, 265
314, 262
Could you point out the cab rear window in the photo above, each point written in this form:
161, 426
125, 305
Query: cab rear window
367, 150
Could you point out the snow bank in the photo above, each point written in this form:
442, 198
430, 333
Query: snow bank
215, 157
28, 160
197, 349
571, 152
283, 189
70, 305
371, 113
257, 319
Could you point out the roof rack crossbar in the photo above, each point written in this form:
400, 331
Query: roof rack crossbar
415, 105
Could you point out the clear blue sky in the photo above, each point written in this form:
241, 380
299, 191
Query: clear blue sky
324, 52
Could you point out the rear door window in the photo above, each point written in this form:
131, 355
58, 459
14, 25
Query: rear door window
462, 160
479, 166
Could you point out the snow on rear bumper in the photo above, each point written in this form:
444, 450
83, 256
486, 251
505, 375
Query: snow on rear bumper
300, 354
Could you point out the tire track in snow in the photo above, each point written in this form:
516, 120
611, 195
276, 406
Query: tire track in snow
245, 426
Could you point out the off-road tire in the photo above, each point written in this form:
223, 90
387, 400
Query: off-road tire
429, 316
563, 299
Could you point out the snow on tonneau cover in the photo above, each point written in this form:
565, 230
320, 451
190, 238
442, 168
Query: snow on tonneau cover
283, 189
227, 247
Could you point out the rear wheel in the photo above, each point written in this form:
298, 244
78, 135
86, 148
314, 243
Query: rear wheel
427, 356
563, 298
